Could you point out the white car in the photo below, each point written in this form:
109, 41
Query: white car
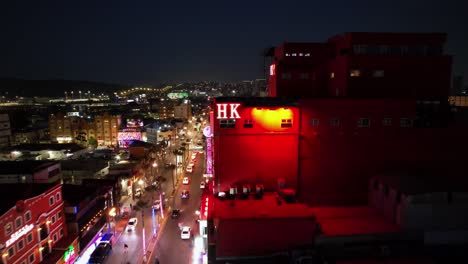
202, 185
185, 180
132, 224
156, 205
185, 233
189, 169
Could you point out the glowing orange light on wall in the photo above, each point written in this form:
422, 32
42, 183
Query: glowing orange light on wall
270, 118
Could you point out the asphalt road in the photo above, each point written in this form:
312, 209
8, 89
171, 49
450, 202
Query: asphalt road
170, 247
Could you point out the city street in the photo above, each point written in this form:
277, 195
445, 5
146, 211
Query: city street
170, 247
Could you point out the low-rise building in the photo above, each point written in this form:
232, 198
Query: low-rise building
34, 228
30, 171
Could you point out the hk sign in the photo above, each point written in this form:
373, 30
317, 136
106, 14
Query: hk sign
226, 111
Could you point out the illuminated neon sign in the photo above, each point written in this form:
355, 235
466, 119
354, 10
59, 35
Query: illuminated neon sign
223, 112
272, 69
69, 254
18, 234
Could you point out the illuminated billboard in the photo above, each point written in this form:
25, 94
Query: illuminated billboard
177, 95
126, 137
134, 122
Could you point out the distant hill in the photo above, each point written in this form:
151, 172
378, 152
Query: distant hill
53, 88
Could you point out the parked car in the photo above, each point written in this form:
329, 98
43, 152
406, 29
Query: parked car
132, 224
100, 253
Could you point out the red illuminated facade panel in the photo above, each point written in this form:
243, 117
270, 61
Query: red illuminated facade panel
370, 65
34, 224
256, 145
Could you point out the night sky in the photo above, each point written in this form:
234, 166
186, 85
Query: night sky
149, 42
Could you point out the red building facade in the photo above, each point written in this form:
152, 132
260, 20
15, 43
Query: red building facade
34, 225
364, 65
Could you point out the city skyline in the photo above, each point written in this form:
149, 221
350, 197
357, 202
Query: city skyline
152, 43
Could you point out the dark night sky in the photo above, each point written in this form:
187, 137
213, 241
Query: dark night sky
147, 42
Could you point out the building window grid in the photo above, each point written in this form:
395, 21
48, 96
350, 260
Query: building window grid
227, 123
51, 200
31, 258
405, 122
248, 123
20, 244
335, 122
387, 121
53, 219
59, 215
11, 252
18, 222
286, 123
364, 122
29, 238
57, 197
314, 122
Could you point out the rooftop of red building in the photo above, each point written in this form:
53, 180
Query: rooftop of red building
267, 207
351, 220
24, 167
12, 193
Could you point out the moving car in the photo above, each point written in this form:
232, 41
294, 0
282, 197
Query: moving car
185, 194
156, 205
185, 180
132, 224
185, 233
175, 213
202, 185
189, 169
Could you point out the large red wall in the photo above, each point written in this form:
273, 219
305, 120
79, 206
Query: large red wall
336, 163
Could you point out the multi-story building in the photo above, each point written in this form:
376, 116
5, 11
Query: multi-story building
70, 128
183, 110
5, 131
30, 171
34, 225
341, 113
351, 65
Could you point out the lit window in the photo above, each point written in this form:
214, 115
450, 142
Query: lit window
307, 55
332, 75
286, 123
335, 122
287, 54
51, 200
301, 54
354, 73
405, 122
248, 123
27, 216
227, 123
18, 222
11, 252
378, 73
314, 122
364, 122
294, 54
387, 121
